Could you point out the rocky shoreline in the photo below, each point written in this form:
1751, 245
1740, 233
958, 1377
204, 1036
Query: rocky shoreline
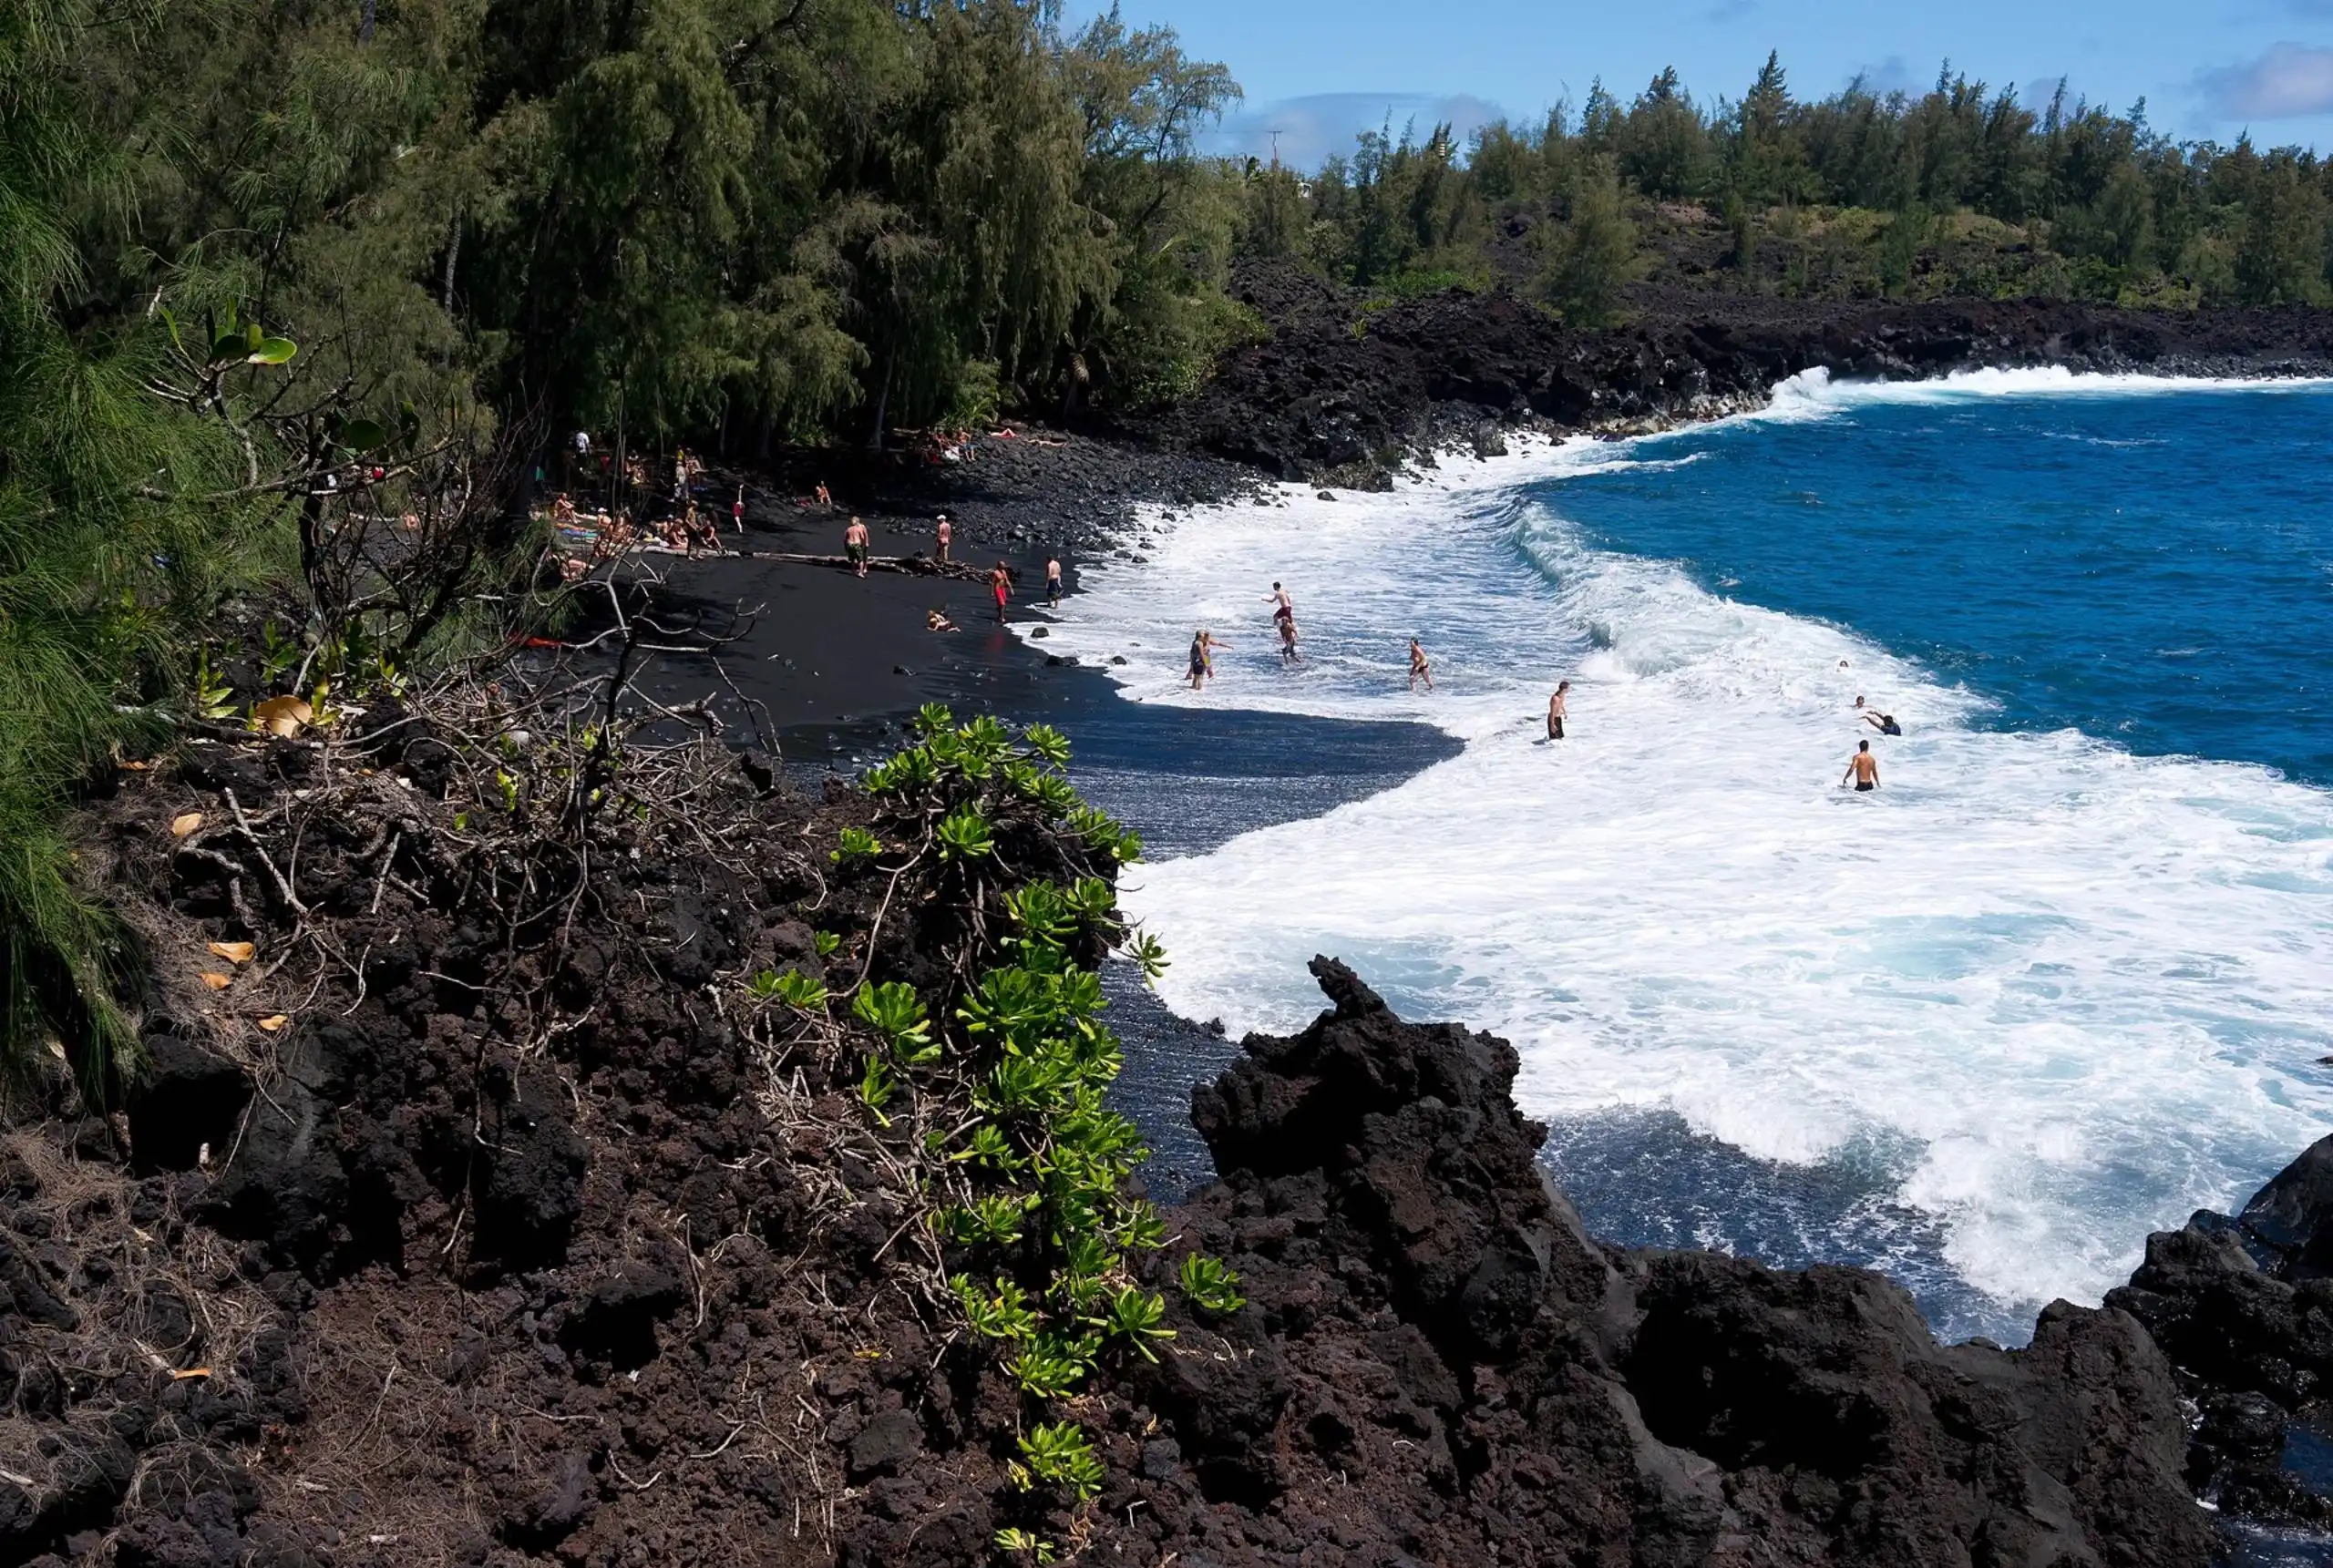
446, 1230
471, 1213
1342, 392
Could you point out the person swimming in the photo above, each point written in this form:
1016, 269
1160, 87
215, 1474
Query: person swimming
1883, 723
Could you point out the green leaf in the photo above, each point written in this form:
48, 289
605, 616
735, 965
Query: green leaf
271, 351
361, 435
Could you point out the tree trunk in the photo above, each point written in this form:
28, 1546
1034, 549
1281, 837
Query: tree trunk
883, 400
452, 244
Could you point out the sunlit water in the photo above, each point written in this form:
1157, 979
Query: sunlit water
2061, 981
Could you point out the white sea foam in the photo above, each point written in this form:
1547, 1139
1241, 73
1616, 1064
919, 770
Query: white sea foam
2086, 985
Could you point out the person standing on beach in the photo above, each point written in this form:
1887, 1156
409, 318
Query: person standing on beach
1556, 711
946, 535
1000, 583
737, 510
1419, 671
1052, 583
1203, 647
854, 545
1863, 768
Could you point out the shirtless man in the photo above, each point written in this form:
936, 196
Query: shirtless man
1863, 767
946, 534
1000, 583
1556, 711
1418, 670
1285, 606
854, 545
1052, 583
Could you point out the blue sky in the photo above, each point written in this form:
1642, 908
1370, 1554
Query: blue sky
1320, 70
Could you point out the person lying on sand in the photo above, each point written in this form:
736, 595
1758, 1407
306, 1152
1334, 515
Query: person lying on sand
1883, 723
1556, 711
1419, 671
854, 545
935, 621
1863, 767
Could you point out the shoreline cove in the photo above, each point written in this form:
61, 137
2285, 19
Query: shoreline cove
1922, 1193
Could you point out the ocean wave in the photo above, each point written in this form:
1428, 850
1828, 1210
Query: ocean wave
2083, 985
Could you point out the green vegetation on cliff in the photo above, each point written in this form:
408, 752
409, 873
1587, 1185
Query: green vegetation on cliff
1961, 191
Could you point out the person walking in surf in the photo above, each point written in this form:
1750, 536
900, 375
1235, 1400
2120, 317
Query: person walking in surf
1419, 670
1052, 583
1863, 768
854, 545
1000, 583
1556, 711
1284, 621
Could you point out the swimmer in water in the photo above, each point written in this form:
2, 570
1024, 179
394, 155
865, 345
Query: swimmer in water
1863, 768
1883, 723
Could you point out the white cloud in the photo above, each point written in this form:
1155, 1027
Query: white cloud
1310, 129
2291, 80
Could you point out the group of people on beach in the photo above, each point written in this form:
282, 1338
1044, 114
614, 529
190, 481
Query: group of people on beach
857, 543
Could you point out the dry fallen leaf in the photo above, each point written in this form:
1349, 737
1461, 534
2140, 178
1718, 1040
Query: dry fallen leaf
183, 824
274, 1022
234, 952
283, 715
189, 1373
217, 981
133, 767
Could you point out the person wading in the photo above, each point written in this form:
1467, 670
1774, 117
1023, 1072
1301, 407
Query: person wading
1556, 711
1052, 583
1863, 768
1419, 669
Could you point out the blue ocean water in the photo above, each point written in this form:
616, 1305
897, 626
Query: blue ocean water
2066, 977
2154, 567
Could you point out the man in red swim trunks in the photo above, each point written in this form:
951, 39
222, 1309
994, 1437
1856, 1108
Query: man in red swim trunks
1000, 583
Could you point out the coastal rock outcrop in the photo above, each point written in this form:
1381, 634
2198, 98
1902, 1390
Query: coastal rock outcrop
1437, 1364
2244, 1307
1344, 388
